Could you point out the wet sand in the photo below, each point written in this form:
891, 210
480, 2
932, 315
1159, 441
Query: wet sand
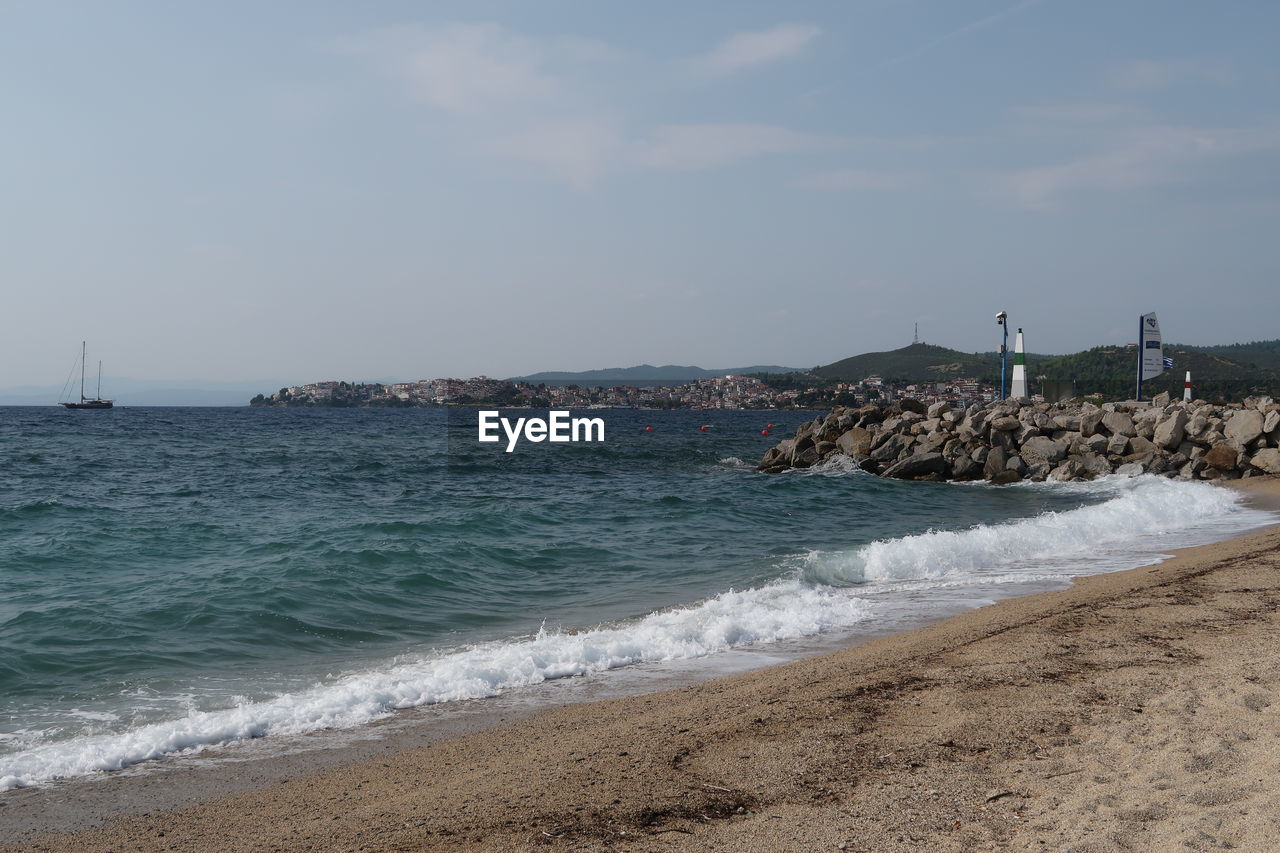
1134, 711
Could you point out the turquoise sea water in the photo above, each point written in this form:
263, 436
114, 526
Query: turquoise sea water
173, 579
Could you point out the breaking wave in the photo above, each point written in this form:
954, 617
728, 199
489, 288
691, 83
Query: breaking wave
1138, 519
1128, 523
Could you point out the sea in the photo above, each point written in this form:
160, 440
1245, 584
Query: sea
181, 581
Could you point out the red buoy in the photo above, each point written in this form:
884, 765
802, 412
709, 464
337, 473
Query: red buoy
704, 427
769, 426
648, 429
764, 432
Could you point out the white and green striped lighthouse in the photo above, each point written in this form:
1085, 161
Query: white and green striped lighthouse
1019, 386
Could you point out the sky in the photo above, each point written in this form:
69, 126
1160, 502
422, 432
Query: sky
400, 190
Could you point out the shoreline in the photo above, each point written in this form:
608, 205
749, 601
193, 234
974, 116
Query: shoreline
530, 758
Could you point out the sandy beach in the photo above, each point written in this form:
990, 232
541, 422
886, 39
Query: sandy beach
1134, 711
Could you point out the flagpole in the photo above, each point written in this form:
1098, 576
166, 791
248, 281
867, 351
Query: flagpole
1141, 344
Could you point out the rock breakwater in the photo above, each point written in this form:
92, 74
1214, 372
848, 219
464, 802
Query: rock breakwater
1013, 440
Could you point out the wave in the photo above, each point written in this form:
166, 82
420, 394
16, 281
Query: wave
836, 464
826, 591
787, 609
1136, 516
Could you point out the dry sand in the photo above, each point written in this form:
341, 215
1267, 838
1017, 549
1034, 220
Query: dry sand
1134, 711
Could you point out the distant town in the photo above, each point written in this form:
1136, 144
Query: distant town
772, 391
921, 371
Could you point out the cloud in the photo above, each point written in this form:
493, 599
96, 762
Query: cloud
541, 101
698, 146
1082, 113
579, 151
973, 26
473, 69
1144, 157
860, 179
1151, 75
744, 50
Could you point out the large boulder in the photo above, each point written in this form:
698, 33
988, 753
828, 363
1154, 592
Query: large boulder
1271, 420
1142, 446
894, 423
1170, 431
1197, 425
1191, 469
1244, 426
1038, 472
891, 448
1006, 424
1119, 423
1095, 464
1066, 472
805, 458
1025, 432
917, 465
995, 462
965, 468
855, 442
1223, 457
1144, 422
771, 459
932, 442
1041, 449
938, 409
1118, 445
1267, 460
1004, 478
869, 414
910, 404
1090, 419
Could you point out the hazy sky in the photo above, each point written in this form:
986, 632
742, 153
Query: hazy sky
315, 190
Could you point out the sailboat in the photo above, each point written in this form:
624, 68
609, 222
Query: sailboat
89, 402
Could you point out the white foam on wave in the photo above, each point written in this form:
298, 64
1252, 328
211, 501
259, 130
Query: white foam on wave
1137, 519
783, 610
835, 464
1134, 521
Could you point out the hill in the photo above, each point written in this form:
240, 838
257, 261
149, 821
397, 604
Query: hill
1230, 372
643, 374
920, 363
1255, 354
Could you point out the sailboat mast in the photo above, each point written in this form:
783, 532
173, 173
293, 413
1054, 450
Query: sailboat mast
84, 350
99, 379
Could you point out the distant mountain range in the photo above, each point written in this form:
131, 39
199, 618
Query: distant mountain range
644, 375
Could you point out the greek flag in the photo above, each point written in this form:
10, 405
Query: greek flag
1168, 363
